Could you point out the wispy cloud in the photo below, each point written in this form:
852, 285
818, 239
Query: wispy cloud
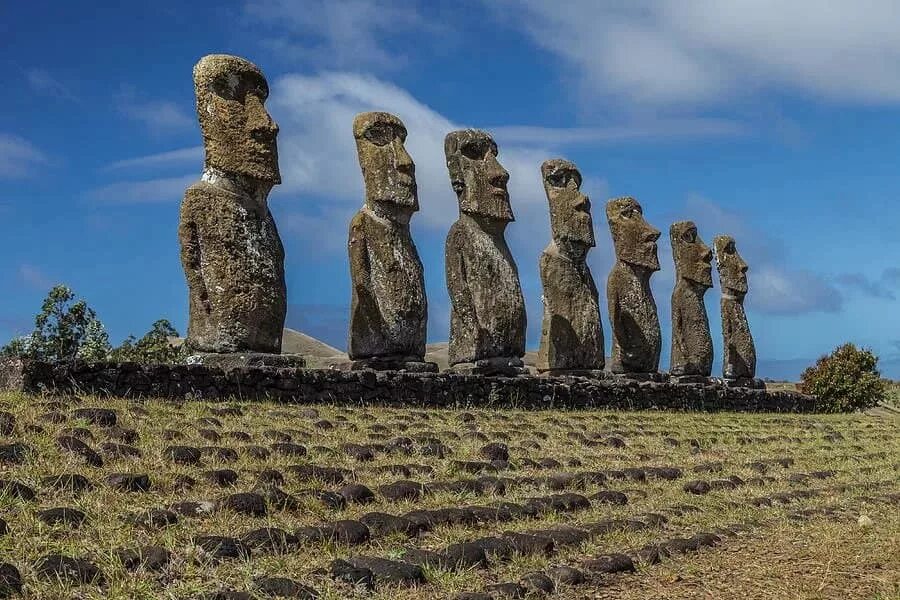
705, 52
159, 116
18, 157
776, 287
45, 84
650, 130
34, 277
183, 157
167, 189
883, 287
339, 34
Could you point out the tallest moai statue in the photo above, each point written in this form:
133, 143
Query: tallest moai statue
230, 250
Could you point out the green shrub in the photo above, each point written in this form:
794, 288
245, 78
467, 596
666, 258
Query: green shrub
845, 380
65, 329
154, 347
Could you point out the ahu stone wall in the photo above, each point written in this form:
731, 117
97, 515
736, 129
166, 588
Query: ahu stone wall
387, 388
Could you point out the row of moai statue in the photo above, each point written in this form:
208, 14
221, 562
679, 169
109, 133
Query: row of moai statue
234, 260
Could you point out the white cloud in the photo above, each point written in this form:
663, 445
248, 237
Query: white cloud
338, 34
18, 156
183, 157
318, 153
690, 52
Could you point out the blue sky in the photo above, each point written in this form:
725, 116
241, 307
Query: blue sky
776, 122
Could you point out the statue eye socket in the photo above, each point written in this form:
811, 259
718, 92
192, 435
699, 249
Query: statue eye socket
379, 134
473, 150
558, 179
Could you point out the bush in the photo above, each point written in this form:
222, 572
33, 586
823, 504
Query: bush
65, 329
845, 380
155, 347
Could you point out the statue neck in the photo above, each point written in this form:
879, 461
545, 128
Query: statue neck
637, 271
733, 295
241, 185
389, 211
487, 224
573, 250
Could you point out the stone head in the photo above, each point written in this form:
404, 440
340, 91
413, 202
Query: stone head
634, 238
238, 133
570, 210
693, 258
478, 179
388, 170
732, 268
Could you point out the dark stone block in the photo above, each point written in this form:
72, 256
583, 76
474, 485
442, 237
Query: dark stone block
54, 567
129, 482
151, 558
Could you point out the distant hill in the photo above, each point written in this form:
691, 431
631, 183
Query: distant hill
297, 342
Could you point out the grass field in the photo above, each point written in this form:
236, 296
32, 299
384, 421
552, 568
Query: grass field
588, 504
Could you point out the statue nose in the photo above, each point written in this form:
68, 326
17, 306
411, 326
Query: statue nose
404, 160
259, 122
652, 235
500, 178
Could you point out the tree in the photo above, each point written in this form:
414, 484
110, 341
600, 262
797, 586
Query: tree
154, 347
95, 346
65, 328
845, 380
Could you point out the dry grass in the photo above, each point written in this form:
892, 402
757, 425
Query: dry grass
779, 559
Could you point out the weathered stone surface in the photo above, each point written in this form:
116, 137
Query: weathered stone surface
636, 337
388, 306
739, 352
232, 255
571, 331
487, 315
353, 388
692, 350
237, 360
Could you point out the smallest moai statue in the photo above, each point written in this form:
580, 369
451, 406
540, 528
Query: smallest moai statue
692, 350
739, 353
571, 332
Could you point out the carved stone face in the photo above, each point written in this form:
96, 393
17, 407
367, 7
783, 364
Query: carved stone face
732, 268
693, 258
570, 210
633, 237
238, 133
477, 177
388, 170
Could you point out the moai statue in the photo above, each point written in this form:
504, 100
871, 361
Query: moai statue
388, 308
487, 314
739, 353
230, 250
692, 351
571, 332
632, 310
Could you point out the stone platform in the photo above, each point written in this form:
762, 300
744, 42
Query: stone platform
433, 390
